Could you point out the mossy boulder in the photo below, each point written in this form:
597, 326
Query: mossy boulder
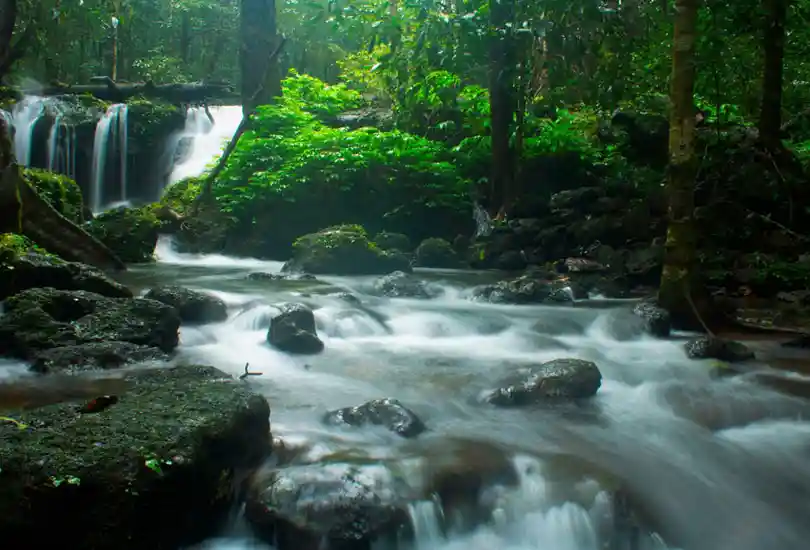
131, 233
24, 265
160, 469
59, 191
43, 318
557, 379
194, 307
393, 241
343, 250
94, 356
437, 253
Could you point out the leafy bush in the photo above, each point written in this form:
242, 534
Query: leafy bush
317, 97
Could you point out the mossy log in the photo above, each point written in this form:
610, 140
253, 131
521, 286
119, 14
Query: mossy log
108, 90
23, 211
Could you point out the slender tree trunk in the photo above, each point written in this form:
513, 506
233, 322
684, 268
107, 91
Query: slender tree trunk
185, 36
770, 116
260, 82
678, 277
114, 63
502, 105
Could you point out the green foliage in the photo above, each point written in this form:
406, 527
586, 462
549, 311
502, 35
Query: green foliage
149, 119
181, 195
316, 97
60, 191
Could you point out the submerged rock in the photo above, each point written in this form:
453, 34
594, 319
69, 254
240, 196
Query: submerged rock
21, 268
437, 253
44, 318
707, 347
341, 506
656, 320
401, 285
161, 468
192, 306
293, 330
263, 276
560, 378
132, 233
343, 250
94, 355
381, 412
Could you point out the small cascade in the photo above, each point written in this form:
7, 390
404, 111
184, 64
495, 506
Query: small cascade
110, 129
483, 223
24, 117
425, 518
53, 144
204, 140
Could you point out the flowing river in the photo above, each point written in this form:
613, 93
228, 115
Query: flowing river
711, 464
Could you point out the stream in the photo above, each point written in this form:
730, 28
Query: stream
711, 464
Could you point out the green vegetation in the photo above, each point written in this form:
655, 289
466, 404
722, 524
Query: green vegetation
13, 245
60, 191
131, 233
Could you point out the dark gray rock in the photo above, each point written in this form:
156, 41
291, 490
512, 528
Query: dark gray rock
293, 330
511, 260
161, 468
707, 347
401, 285
44, 318
262, 276
656, 320
34, 270
193, 307
560, 378
94, 355
436, 253
393, 241
381, 412
575, 199
315, 506
527, 289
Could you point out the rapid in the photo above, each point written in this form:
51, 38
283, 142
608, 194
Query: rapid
707, 464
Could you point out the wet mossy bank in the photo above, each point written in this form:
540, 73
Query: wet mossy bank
159, 469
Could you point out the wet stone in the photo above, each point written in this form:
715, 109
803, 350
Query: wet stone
401, 285
94, 355
293, 330
560, 378
194, 307
707, 347
656, 320
381, 412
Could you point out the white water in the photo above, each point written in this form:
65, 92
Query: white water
714, 465
111, 129
24, 116
208, 140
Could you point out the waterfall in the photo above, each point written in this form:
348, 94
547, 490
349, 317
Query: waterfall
53, 144
24, 117
112, 127
205, 140
483, 223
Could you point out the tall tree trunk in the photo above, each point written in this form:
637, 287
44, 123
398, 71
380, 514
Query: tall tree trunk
185, 36
114, 62
261, 79
678, 277
502, 104
770, 115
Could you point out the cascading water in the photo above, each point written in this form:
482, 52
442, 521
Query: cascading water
111, 129
53, 144
24, 117
483, 223
206, 140
709, 464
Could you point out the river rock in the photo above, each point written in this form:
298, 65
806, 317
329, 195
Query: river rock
707, 347
343, 250
381, 412
401, 285
656, 320
315, 506
263, 276
293, 330
34, 270
560, 378
94, 355
44, 318
393, 241
132, 233
193, 307
527, 289
436, 253
511, 260
161, 468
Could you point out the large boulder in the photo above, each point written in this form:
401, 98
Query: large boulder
310, 507
194, 307
380, 412
437, 253
23, 265
45, 318
94, 355
161, 468
343, 250
560, 378
708, 347
393, 241
656, 320
293, 330
132, 233
529, 289
401, 285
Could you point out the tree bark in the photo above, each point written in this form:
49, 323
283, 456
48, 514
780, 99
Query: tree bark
502, 105
261, 79
770, 116
678, 277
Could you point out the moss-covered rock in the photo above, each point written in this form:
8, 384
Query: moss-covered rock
393, 241
24, 265
437, 253
343, 250
159, 469
45, 318
59, 191
151, 120
94, 356
194, 307
131, 233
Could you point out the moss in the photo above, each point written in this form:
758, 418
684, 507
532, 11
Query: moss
147, 472
131, 233
60, 191
150, 121
13, 245
437, 253
393, 241
181, 195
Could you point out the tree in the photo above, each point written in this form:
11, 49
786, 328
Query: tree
770, 116
261, 79
678, 277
